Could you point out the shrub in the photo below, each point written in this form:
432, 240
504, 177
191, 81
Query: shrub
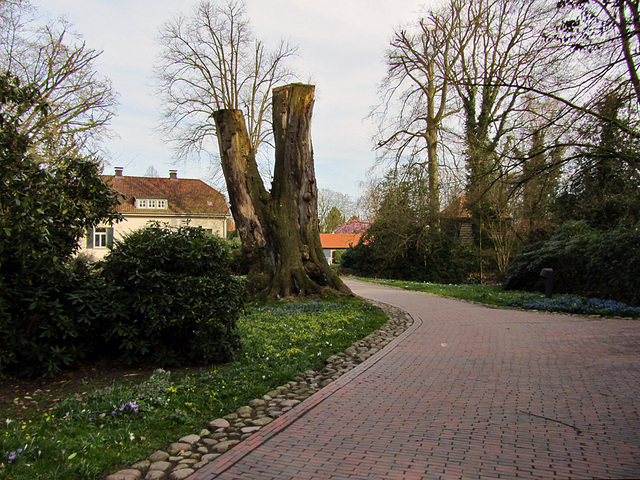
180, 300
46, 204
432, 257
54, 323
586, 262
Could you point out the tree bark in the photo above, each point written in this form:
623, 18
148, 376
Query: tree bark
247, 195
279, 230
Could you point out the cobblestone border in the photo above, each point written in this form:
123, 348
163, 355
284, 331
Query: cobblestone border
192, 452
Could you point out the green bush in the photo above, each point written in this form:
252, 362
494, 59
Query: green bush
585, 261
46, 204
430, 257
337, 256
180, 300
54, 323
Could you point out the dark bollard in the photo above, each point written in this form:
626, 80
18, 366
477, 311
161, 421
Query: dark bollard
549, 276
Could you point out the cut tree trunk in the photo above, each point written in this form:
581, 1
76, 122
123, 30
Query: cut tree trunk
279, 230
247, 195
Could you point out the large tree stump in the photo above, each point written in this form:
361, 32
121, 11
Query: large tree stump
279, 230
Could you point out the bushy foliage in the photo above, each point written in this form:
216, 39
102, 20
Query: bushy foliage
432, 257
585, 261
56, 322
404, 242
45, 206
181, 302
604, 189
279, 340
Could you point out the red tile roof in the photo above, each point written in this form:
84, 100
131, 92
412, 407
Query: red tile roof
339, 240
183, 195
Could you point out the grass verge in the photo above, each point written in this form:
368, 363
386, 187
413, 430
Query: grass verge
495, 295
87, 436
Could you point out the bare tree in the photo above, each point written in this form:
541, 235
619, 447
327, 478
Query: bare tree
211, 61
417, 91
61, 66
213, 75
506, 56
369, 201
599, 43
327, 201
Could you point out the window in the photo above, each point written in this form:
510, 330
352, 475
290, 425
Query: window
100, 237
151, 204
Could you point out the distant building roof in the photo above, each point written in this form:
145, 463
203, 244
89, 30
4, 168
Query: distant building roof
183, 196
339, 240
353, 225
457, 208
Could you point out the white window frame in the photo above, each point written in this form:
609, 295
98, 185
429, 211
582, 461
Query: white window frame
151, 204
100, 237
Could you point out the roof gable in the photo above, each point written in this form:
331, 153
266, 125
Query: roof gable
184, 196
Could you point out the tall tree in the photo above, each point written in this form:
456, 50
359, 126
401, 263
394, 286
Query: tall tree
212, 68
278, 228
540, 160
211, 61
62, 68
416, 92
604, 188
506, 55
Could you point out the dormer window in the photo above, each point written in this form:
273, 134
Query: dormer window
151, 204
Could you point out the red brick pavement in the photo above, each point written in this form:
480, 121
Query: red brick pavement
467, 392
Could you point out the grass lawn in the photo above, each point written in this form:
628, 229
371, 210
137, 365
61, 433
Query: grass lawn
495, 295
87, 424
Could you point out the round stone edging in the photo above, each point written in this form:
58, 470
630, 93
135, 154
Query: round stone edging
192, 452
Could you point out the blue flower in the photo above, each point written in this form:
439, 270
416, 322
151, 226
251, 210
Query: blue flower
129, 406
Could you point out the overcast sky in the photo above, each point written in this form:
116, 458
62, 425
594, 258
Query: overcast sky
341, 50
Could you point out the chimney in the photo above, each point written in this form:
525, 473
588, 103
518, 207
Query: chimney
173, 174
119, 171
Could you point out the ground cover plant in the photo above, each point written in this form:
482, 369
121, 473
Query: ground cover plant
495, 295
85, 436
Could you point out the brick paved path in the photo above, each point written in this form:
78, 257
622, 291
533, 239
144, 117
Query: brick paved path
468, 392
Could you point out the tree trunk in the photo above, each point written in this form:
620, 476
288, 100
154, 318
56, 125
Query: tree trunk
247, 195
279, 230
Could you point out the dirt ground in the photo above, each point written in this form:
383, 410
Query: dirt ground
23, 398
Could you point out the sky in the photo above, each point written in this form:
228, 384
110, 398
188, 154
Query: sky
341, 48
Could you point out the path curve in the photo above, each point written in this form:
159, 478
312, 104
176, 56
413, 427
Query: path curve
467, 392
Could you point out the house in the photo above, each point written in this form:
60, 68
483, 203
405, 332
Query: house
171, 200
457, 219
337, 241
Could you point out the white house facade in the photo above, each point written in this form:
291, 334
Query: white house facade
169, 201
